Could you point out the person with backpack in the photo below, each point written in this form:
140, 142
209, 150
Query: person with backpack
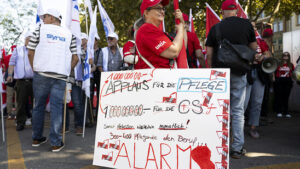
237, 31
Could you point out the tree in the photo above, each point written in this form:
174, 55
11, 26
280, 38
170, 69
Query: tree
14, 21
123, 13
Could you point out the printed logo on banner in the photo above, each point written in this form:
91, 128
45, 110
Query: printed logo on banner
215, 74
171, 99
103, 144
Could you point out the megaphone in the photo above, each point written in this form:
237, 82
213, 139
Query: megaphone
269, 65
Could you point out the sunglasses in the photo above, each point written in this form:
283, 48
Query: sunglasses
157, 8
109, 38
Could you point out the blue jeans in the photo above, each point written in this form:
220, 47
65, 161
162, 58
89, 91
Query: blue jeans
42, 88
237, 100
254, 98
78, 100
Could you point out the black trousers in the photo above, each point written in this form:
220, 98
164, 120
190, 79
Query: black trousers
282, 89
24, 92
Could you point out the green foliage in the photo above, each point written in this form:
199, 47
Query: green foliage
13, 21
123, 13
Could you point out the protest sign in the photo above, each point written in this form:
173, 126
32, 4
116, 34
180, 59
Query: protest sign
163, 118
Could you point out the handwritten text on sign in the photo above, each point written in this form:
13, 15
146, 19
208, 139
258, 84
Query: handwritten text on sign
163, 118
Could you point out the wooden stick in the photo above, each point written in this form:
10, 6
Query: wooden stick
65, 112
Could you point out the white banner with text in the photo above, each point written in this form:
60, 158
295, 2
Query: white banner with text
163, 118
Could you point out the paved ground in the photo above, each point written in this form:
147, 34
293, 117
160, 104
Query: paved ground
278, 148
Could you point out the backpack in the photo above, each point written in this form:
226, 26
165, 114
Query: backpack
238, 58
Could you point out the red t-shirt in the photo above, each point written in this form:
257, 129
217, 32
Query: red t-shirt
151, 42
127, 51
193, 44
284, 71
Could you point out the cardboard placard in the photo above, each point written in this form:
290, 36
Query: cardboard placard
162, 118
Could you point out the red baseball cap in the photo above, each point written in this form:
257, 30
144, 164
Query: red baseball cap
229, 5
149, 3
268, 32
185, 17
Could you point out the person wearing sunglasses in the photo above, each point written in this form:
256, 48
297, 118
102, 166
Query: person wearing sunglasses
153, 45
110, 58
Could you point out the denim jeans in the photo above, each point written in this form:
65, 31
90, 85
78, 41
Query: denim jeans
42, 88
254, 98
78, 100
237, 100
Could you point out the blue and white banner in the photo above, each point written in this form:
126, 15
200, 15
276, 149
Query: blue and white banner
40, 11
73, 23
90, 53
107, 23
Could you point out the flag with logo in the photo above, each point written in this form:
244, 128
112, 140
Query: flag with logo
211, 18
106, 21
181, 59
73, 23
90, 53
40, 11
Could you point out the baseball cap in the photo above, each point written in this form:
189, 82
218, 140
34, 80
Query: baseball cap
113, 35
229, 5
268, 32
149, 3
54, 13
185, 17
84, 36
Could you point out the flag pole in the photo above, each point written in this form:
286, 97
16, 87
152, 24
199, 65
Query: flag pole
65, 111
84, 116
86, 21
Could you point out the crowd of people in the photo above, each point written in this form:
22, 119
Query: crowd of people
48, 62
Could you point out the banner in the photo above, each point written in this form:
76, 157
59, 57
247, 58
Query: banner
73, 22
240, 12
107, 23
211, 18
182, 58
162, 118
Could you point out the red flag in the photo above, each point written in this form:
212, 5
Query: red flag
181, 59
211, 18
241, 13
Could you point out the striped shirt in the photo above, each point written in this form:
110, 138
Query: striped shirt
35, 39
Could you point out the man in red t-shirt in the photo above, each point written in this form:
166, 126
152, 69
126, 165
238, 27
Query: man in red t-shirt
194, 54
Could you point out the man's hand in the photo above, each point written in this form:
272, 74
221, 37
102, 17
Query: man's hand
9, 79
258, 57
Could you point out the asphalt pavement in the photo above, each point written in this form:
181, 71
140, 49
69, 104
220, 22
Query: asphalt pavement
278, 147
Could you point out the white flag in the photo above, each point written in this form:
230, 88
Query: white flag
40, 11
89, 5
107, 23
73, 23
190, 20
90, 53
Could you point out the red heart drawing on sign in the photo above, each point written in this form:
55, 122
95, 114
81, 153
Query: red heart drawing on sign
201, 155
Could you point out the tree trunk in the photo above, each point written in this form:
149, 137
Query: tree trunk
262, 9
276, 10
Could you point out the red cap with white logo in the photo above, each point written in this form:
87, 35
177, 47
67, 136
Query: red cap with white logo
150, 3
